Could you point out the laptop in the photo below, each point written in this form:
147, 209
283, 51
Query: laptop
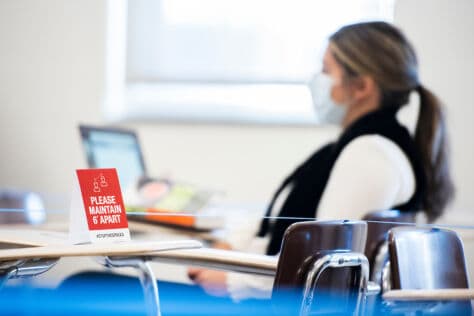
111, 147
108, 147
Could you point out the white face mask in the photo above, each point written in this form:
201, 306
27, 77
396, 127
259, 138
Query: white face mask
327, 112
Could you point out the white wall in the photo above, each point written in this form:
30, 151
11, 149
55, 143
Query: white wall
51, 78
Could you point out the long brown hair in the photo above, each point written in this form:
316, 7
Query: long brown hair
380, 50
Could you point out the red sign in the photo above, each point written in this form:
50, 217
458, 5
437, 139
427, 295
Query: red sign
102, 199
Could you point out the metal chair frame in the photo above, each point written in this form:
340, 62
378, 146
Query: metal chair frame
336, 260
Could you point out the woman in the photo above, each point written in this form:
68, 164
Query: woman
369, 70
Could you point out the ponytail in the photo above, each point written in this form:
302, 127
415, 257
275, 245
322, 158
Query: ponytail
432, 141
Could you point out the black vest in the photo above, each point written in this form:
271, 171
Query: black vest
310, 178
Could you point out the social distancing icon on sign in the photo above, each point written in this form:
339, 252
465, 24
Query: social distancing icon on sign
100, 182
103, 183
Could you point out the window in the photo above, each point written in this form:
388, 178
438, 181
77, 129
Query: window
222, 60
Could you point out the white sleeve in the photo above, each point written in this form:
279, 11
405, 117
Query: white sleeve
241, 230
244, 286
366, 177
241, 233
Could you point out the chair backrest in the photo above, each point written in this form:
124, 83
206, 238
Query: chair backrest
306, 242
378, 225
426, 258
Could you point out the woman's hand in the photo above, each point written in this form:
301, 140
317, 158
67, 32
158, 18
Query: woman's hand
213, 282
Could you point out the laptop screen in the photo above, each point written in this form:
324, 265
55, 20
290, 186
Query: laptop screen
114, 148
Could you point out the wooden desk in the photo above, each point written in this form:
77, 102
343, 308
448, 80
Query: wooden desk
27, 258
221, 259
130, 249
55, 244
429, 295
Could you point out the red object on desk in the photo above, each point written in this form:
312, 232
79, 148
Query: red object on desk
170, 217
102, 199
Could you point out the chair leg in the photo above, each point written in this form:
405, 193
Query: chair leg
7, 275
147, 280
150, 289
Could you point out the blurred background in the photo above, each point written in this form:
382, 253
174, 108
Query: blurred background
215, 89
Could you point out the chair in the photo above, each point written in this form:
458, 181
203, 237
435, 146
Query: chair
376, 249
427, 259
322, 269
